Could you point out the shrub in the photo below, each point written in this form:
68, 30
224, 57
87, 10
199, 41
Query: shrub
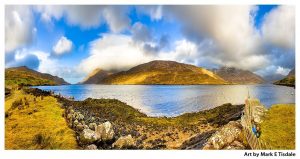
16, 104
42, 141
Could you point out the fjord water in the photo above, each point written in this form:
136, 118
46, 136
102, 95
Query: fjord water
173, 100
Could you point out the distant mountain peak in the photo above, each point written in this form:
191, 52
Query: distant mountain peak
96, 76
289, 80
238, 76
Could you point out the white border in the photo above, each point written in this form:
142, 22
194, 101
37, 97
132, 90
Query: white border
136, 154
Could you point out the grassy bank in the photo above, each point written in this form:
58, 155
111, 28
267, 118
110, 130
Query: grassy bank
149, 132
278, 127
154, 132
36, 123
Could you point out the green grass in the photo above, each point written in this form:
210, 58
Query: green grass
17, 77
278, 127
288, 81
117, 111
36, 123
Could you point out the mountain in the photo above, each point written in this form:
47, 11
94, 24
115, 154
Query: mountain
273, 77
96, 76
289, 80
163, 72
28, 77
238, 76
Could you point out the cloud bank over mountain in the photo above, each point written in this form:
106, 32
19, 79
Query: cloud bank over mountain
120, 37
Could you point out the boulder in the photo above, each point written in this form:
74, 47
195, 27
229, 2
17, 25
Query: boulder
69, 117
71, 111
92, 126
225, 136
197, 141
74, 115
235, 145
75, 123
86, 127
105, 131
124, 142
79, 127
80, 117
87, 136
91, 147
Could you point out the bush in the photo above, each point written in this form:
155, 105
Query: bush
42, 141
16, 104
26, 102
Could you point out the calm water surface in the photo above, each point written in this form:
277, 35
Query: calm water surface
167, 100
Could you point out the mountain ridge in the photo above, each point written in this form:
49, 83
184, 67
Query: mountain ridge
27, 77
238, 76
163, 72
288, 80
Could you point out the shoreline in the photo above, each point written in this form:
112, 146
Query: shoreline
100, 124
147, 132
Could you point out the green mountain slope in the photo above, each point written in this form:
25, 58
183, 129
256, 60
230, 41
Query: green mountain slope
27, 77
289, 80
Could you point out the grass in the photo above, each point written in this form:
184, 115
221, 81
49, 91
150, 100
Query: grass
36, 123
117, 111
278, 127
287, 81
220, 115
151, 132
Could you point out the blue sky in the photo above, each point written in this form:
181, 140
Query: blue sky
71, 41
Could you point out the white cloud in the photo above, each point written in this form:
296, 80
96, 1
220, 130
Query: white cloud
121, 52
230, 27
185, 51
114, 52
282, 71
22, 57
62, 46
140, 32
279, 27
155, 12
19, 29
117, 18
88, 16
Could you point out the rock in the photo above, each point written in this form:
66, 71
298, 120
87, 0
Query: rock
75, 123
73, 117
87, 136
83, 122
92, 126
124, 142
69, 117
235, 145
104, 132
225, 136
197, 141
91, 147
86, 127
71, 111
80, 117
70, 124
79, 127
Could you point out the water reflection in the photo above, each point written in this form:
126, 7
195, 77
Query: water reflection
164, 100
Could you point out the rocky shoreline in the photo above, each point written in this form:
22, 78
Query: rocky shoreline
112, 124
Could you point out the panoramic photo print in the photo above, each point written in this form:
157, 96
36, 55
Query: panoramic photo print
99, 77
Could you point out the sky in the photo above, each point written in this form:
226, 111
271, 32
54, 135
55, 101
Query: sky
70, 41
